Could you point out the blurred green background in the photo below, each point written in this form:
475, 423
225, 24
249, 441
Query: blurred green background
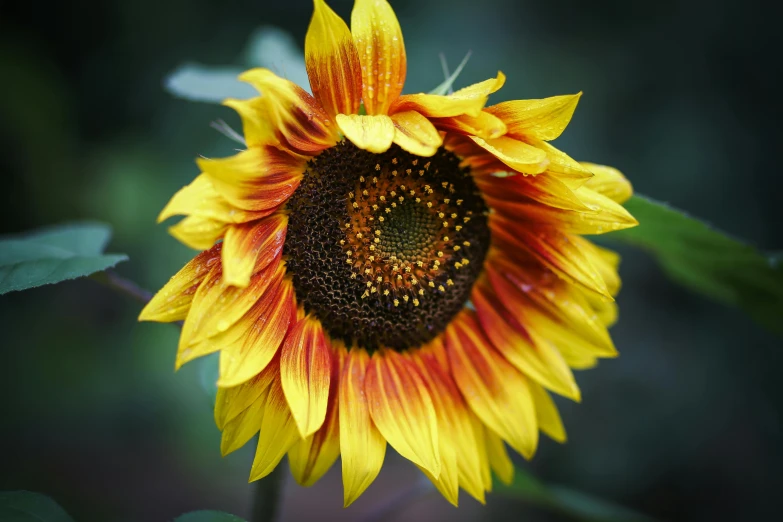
681, 96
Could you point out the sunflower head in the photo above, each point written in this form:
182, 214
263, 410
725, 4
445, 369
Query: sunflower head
380, 267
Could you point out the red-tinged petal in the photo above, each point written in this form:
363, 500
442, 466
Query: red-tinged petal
540, 362
243, 358
258, 179
362, 447
542, 188
485, 125
332, 62
496, 391
499, 460
608, 181
230, 402
561, 165
378, 39
368, 132
305, 370
217, 306
173, 301
546, 412
278, 433
299, 120
550, 247
543, 119
516, 154
241, 428
415, 134
469, 100
252, 246
605, 261
311, 457
402, 409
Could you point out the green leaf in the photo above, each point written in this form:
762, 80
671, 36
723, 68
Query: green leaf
201, 83
445, 87
576, 505
52, 255
707, 260
208, 516
25, 506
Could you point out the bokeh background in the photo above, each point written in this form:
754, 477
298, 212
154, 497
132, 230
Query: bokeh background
681, 95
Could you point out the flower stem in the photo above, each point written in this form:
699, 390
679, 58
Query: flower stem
116, 282
266, 498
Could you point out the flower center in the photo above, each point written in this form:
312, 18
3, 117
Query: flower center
384, 248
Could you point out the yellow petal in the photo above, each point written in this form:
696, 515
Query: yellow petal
332, 62
278, 433
546, 412
230, 402
469, 100
378, 39
198, 232
173, 301
499, 460
608, 181
362, 447
305, 371
252, 246
402, 409
516, 154
485, 125
370, 133
415, 134
241, 428
543, 119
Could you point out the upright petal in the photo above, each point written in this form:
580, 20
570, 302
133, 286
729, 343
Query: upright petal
332, 62
370, 133
468, 100
362, 447
496, 391
415, 134
378, 39
173, 301
297, 118
305, 371
402, 409
252, 246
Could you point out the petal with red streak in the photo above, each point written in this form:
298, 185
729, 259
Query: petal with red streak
252, 246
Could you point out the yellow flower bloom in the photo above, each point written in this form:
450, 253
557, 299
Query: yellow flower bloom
414, 274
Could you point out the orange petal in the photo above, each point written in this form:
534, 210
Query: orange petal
298, 119
362, 447
332, 62
258, 179
311, 457
496, 391
217, 306
378, 39
541, 362
402, 409
173, 301
469, 100
278, 433
485, 125
252, 246
516, 154
543, 188
414, 133
260, 335
305, 370
370, 133
608, 181
543, 119
551, 248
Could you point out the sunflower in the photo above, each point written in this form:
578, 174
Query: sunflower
381, 267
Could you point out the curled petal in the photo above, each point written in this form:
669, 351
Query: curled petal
609, 182
370, 133
402, 409
305, 370
468, 101
486, 126
252, 246
378, 39
258, 179
297, 118
543, 119
415, 134
332, 62
516, 154
362, 447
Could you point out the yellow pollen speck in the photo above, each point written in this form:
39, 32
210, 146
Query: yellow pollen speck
446, 200
449, 282
350, 253
466, 219
377, 232
353, 275
369, 284
375, 207
445, 238
441, 215
419, 264
396, 302
413, 192
421, 172
394, 205
414, 281
456, 247
440, 287
415, 162
457, 265
373, 290
458, 228
459, 202
415, 302
394, 173
408, 269
401, 199
405, 298
355, 205
382, 198
365, 193
429, 204
379, 279
367, 271
359, 235
418, 200
342, 241
444, 184
408, 171
380, 218
394, 160
377, 240
372, 247
427, 165
377, 167
365, 294
399, 277
402, 187
361, 179
445, 224
386, 292
393, 193
395, 268
440, 253
465, 261
432, 285
421, 291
